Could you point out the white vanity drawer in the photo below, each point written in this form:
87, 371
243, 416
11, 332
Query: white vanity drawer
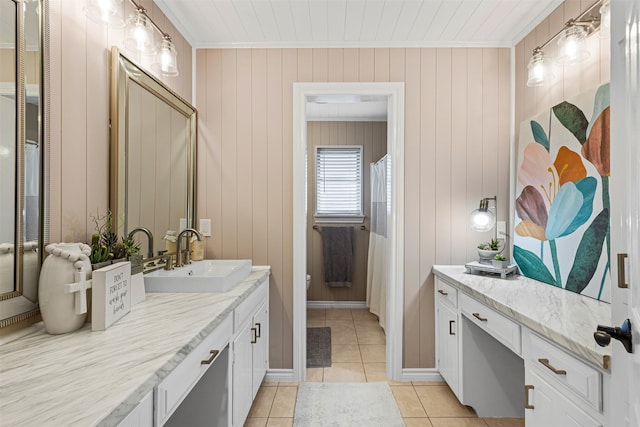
174, 388
446, 292
247, 308
557, 365
500, 327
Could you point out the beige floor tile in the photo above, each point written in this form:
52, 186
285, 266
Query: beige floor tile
338, 314
255, 422
370, 335
315, 323
408, 402
367, 323
417, 422
280, 422
342, 332
269, 384
345, 353
504, 422
316, 313
288, 383
457, 422
315, 375
375, 372
439, 401
363, 314
262, 403
344, 372
284, 402
373, 353
428, 383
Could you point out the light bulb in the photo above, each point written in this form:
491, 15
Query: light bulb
166, 61
139, 32
482, 220
572, 45
537, 69
105, 11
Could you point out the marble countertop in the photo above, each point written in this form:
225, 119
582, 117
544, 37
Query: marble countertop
564, 317
89, 378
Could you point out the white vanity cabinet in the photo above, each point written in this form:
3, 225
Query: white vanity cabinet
142, 415
448, 361
250, 351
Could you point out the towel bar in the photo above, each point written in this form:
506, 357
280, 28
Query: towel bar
362, 227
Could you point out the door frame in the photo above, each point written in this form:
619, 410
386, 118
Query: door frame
395, 224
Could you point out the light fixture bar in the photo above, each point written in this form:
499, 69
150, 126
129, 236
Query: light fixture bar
591, 25
143, 11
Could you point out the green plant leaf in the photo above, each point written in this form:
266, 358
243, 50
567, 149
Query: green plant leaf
573, 119
539, 135
588, 253
532, 266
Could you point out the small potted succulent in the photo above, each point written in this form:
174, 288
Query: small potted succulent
107, 249
488, 250
499, 261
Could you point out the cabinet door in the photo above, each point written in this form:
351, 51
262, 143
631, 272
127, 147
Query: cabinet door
447, 346
242, 374
549, 408
260, 347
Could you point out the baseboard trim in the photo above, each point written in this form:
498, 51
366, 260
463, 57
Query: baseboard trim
336, 304
278, 375
421, 374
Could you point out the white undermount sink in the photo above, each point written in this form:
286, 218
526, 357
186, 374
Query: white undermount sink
210, 275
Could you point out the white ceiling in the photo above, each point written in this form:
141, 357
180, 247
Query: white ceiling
355, 23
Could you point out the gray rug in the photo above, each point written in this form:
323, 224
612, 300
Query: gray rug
346, 405
318, 347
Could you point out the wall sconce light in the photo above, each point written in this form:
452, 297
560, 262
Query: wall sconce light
166, 61
605, 15
571, 43
482, 219
139, 33
105, 11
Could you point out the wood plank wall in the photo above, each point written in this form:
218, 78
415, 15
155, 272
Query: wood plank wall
79, 101
570, 80
456, 152
372, 136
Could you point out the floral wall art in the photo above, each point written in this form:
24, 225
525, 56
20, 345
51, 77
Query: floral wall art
562, 196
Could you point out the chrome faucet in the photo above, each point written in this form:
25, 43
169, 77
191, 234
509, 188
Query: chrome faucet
179, 262
149, 239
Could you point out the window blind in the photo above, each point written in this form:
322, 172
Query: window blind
339, 181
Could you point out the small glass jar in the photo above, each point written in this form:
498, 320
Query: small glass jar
171, 241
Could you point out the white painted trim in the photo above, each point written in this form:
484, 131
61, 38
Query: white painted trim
342, 44
512, 152
535, 22
337, 304
421, 374
277, 375
395, 272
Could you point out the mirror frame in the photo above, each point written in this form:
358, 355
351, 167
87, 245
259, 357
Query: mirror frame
123, 72
30, 314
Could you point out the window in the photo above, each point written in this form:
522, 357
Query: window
339, 183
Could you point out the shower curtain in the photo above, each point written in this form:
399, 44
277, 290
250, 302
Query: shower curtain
377, 262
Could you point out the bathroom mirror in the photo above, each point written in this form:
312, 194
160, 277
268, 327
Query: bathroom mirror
153, 152
23, 224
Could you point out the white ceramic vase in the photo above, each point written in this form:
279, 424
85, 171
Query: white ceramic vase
58, 269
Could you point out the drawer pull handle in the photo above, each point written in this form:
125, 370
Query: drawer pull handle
208, 361
441, 292
552, 368
451, 323
259, 330
527, 405
480, 318
255, 336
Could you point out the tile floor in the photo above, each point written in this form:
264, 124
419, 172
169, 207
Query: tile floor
358, 355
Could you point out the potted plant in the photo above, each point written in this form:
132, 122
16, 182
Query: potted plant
107, 249
488, 250
499, 261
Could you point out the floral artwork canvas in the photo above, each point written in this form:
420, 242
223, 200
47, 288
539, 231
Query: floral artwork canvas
562, 218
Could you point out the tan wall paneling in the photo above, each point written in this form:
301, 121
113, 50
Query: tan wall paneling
568, 81
456, 146
372, 136
79, 99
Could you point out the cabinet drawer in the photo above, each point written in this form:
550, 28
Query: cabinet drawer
248, 307
500, 327
173, 389
447, 293
558, 366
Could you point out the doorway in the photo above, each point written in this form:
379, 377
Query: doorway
394, 94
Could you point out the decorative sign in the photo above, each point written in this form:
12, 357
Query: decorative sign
111, 296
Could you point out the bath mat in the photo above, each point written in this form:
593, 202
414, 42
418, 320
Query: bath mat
346, 404
318, 347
